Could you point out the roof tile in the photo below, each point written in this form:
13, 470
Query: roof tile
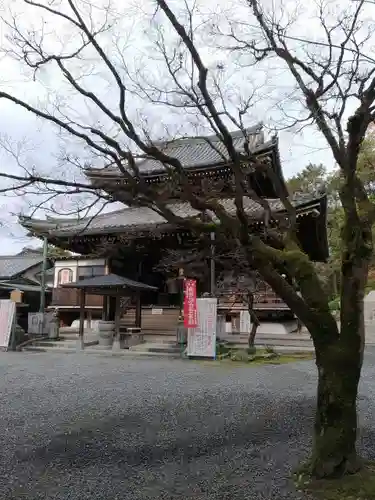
110, 281
195, 152
11, 265
143, 218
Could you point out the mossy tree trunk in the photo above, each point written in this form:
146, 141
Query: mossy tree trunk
339, 368
339, 362
339, 350
335, 429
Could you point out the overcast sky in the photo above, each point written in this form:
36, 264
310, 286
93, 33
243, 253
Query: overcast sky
43, 143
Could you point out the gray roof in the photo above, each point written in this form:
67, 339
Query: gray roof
49, 272
7, 285
143, 218
110, 281
195, 152
13, 265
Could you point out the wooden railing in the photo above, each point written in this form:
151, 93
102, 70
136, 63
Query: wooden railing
69, 297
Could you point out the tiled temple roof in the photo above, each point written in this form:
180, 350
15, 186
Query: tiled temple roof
198, 155
196, 152
142, 218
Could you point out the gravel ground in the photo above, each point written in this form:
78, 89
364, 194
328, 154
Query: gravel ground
78, 426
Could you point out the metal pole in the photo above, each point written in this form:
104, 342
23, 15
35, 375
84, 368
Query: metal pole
42, 303
82, 304
212, 266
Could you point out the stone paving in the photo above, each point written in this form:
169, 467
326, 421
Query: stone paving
83, 427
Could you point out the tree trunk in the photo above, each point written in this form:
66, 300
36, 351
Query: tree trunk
254, 319
339, 369
335, 430
339, 362
252, 335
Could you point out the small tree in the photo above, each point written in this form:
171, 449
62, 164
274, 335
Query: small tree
233, 276
242, 288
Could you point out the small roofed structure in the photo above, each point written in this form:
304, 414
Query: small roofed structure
111, 286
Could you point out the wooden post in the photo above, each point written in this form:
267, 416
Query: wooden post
42, 304
212, 266
82, 300
116, 342
138, 310
111, 308
89, 319
105, 308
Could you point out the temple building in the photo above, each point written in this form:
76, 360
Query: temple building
134, 239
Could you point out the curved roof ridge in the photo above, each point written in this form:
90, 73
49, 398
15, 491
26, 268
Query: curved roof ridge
252, 130
193, 152
52, 221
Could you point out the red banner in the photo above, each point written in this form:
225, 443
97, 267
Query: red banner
190, 303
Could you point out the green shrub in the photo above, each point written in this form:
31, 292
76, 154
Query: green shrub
222, 348
240, 355
268, 349
370, 286
270, 355
251, 350
334, 305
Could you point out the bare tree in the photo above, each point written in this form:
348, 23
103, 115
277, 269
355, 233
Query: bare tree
235, 281
329, 76
333, 81
242, 286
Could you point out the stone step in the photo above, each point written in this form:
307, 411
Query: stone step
159, 338
271, 340
73, 336
284, 343
291, 336
280, 348
70, 344
33, 348
156, 347
102, 351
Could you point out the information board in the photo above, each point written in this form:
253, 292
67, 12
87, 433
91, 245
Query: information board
7, 321
39, 323
202, 339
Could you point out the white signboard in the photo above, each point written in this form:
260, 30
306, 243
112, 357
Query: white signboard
202, 340
245, 322
220, 326
157, 311
7, 321
369, 306
38, 323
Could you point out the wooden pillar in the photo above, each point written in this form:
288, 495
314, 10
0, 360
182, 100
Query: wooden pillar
105, 312
116, 342
138, 303
111, 308
138, 310
105, 308
212, 266
89, 318
82, 300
